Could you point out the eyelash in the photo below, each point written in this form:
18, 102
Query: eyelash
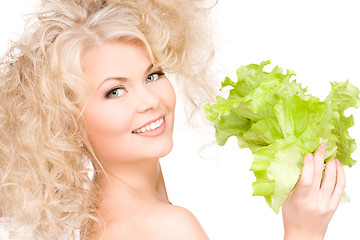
159, 73
113, 90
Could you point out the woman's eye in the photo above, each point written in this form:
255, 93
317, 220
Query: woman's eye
154, 76
116, 92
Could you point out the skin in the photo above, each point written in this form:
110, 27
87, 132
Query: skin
134, 202
125, 92
310, 207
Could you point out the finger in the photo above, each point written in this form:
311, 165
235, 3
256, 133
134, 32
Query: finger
304, 183
329, 180
319, 165
339, 186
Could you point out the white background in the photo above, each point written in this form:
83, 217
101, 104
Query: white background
320, 41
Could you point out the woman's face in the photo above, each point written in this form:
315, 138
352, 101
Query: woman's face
129, 115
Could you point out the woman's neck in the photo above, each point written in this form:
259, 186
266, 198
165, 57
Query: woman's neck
140, 180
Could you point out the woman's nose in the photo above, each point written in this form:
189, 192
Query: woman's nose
147, 98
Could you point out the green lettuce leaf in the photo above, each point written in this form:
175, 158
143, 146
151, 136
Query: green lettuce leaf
275, 118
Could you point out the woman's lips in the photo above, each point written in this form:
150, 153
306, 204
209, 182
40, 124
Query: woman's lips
152, 128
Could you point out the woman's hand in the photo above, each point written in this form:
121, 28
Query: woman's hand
309, 208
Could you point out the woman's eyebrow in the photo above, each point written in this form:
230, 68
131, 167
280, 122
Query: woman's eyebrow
149, 68
121, 79
124, 79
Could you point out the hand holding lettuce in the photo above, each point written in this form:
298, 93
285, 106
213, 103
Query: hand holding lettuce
280, 123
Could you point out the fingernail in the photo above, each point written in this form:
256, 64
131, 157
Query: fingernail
338, 162
309, 156
324, 144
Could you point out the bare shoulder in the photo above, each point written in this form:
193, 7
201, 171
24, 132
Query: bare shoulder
154, 221
174, 222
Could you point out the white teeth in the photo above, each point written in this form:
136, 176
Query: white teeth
159, 122
151, 126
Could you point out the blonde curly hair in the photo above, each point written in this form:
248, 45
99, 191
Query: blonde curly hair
45, 187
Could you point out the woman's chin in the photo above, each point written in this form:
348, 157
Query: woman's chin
164, 150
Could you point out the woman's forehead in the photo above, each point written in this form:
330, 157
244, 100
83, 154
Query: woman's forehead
116, 60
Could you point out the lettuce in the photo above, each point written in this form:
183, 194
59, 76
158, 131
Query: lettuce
280, 123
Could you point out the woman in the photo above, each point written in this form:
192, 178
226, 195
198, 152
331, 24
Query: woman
85, 88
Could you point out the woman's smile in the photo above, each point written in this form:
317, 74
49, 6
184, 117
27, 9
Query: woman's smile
131, 104
152, 128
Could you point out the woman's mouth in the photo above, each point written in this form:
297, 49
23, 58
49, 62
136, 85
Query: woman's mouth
150, 127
